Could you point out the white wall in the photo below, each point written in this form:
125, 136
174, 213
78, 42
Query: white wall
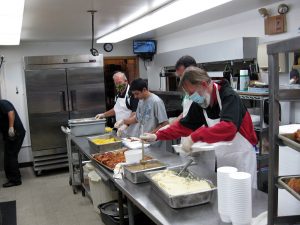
12, 73
247, 24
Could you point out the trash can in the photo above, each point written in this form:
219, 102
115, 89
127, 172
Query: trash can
100, 193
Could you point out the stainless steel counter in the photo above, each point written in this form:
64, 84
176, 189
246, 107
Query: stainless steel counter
149, 202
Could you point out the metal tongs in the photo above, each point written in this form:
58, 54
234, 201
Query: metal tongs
185, 167
143, 161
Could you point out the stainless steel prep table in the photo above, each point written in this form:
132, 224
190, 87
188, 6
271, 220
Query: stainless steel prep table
155, 208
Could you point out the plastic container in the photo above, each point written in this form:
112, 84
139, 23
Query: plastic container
87, 168
133, 156
244, 80
87, 127
100, 193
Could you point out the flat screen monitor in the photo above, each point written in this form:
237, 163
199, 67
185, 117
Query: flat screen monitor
144, 47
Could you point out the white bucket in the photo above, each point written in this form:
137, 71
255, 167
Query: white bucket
100, 193
133, 156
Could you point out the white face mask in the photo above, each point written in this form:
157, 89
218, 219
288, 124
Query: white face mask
206, 101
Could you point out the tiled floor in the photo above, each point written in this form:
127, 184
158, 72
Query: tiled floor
48, 200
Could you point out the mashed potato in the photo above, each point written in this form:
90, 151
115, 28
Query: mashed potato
174, 185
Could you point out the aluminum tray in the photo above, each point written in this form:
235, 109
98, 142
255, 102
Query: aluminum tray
105, 147
289, 140
137, 177
107, 167
283, 181
181, 201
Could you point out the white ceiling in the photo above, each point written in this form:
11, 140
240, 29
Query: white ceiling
68, 20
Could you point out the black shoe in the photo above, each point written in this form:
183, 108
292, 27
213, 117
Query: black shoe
11, 184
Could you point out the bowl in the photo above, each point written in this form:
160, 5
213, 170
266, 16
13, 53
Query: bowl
133, 156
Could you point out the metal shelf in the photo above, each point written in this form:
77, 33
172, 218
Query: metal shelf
289, 95
278, 93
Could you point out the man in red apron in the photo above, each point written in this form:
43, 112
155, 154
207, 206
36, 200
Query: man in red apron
124, 108
217, 114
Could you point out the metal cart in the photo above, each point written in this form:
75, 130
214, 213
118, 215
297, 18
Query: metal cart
74, 171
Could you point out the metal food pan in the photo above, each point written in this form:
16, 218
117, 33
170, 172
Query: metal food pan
105, 147
283, 181
107, 167
181, 201
289, 140
86, 126
137, 177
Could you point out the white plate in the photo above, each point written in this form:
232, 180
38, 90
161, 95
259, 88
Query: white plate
133, 144
202, 146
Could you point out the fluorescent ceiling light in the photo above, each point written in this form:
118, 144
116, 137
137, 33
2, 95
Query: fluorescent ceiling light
11, 16
170, 13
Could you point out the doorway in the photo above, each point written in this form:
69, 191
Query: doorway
127, 64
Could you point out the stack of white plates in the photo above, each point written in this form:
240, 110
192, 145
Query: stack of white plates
224, 192
240, 200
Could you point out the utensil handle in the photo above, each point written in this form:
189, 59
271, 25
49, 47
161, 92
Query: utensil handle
186, 166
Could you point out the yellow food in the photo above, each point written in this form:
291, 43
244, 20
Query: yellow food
175, 185
100, 141
107, 129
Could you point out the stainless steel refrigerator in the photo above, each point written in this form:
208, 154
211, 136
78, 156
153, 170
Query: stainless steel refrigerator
60, 88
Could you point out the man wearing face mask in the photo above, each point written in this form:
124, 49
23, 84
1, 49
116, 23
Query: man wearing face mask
124, 108
219, 115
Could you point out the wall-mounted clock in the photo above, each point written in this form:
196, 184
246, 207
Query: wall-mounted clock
283, 9
108, 47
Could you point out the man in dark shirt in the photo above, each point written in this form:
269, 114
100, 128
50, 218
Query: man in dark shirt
13, 134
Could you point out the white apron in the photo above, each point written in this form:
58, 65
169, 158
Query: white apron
122, 112
240, 154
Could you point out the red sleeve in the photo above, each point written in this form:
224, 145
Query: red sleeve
222, 131
176, 130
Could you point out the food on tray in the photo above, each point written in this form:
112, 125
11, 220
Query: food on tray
103, 141
294, 183
112, 158
174, 185
132, 139
108, 129
297, 135
147, 165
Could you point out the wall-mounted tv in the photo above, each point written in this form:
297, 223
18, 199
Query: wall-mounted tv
143, 47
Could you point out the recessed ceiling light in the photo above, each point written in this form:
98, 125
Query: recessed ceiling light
11, 15
172, 12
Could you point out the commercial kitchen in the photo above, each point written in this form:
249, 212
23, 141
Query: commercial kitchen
58, 66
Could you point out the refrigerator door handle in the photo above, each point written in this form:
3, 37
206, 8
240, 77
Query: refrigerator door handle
73, 100
63, 100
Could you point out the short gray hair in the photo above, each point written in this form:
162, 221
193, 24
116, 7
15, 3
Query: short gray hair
120, 74
194, 75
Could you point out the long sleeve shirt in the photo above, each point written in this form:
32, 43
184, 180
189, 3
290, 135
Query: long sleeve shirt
234, 118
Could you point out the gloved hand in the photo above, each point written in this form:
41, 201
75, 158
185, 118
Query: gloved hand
119, 123
164, 127
187, 144
148, 137
11, 132
99, 116
121, 130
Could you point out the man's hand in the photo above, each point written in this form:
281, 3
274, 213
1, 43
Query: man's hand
148, 137
187, 144
99, 116
121, 130
119, 123
11, 132
164, 127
